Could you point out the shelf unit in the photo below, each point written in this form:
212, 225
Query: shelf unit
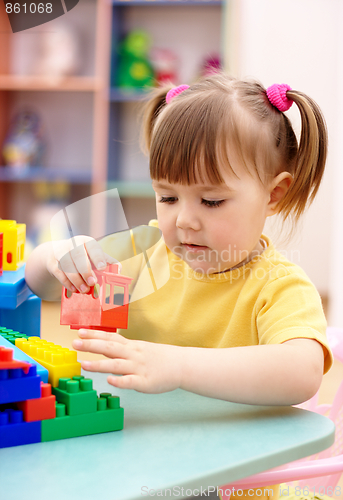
107, 153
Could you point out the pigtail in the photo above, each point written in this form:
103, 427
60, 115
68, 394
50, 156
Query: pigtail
154, 105
309, 162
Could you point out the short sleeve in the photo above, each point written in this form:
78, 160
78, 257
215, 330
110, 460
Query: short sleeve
290, 307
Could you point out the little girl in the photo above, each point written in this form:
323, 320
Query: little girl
235, 320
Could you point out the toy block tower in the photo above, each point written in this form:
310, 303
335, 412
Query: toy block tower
13, 244
101, 308
32, 412
19, 307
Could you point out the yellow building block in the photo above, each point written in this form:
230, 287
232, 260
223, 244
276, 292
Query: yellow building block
13, 244
59, 361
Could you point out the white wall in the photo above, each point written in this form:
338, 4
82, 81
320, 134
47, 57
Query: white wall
297, 42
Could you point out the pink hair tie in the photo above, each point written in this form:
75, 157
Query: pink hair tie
277, 96
175, 91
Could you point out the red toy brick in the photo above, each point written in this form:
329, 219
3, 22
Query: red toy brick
8, 363
39, 409
98, 312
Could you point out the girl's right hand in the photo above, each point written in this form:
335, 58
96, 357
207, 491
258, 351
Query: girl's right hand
72, 261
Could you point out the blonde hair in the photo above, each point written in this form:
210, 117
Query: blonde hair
193, 137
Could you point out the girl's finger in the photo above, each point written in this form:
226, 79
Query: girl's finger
116, 366
125, 382
97, 256
69, 268
109, 349
63, 279
101, 335
83, 265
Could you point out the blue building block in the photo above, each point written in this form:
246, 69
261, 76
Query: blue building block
26, 318
16, 385
14, 431
13, 289
19, 355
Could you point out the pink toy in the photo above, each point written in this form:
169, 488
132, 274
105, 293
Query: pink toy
175, 91
277, 96
317, 472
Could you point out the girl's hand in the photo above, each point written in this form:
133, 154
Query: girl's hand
72, 265
144, 366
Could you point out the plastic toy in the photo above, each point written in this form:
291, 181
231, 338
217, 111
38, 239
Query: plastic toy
25, 144
42, 408
134, 68
98, 310
165, 63
59, 361
18, 354
77, 394
109, 416
18, 380
19, 307
13, 244
15, 431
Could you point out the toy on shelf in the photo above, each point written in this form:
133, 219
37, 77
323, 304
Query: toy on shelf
101, 307
134, 67
165, 63
25, 144
1, 247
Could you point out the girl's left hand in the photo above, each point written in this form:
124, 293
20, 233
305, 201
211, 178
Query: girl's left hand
144, 366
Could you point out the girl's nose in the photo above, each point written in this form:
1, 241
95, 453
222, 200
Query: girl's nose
188, 219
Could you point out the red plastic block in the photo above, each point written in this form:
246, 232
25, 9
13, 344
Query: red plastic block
94, 312
8, 363
42, 408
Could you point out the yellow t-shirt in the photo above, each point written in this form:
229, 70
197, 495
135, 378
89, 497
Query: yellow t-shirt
267, 301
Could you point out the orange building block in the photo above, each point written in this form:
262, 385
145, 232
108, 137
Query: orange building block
42, 408
8, 363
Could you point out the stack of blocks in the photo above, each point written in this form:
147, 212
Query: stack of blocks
19, 307
32, 411
43, 396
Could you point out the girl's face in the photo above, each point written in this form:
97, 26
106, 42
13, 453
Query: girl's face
214, 227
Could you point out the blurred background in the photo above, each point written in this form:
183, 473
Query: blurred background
71, 91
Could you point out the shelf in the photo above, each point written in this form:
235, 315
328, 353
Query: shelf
134, 3
120, 95
33, 174
132, 189
70, 84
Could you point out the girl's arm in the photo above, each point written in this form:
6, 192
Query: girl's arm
278, 374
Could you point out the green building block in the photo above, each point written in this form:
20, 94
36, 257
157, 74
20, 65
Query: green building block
108, 417
77, 394
11, 336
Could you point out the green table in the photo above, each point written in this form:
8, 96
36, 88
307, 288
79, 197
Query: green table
174, 440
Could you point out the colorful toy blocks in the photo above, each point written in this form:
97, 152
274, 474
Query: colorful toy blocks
59, 361
94, 311
42, 408
14, 431
13, 289
77, 394
17, 383
108, 417
19, 355
13, 244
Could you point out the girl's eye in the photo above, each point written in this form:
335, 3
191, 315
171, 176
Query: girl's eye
212, 203
167, 199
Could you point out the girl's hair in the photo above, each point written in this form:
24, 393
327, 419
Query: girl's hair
220, 120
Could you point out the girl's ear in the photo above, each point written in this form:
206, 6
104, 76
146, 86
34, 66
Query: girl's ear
278, 189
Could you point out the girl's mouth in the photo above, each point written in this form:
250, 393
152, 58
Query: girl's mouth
190, 247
